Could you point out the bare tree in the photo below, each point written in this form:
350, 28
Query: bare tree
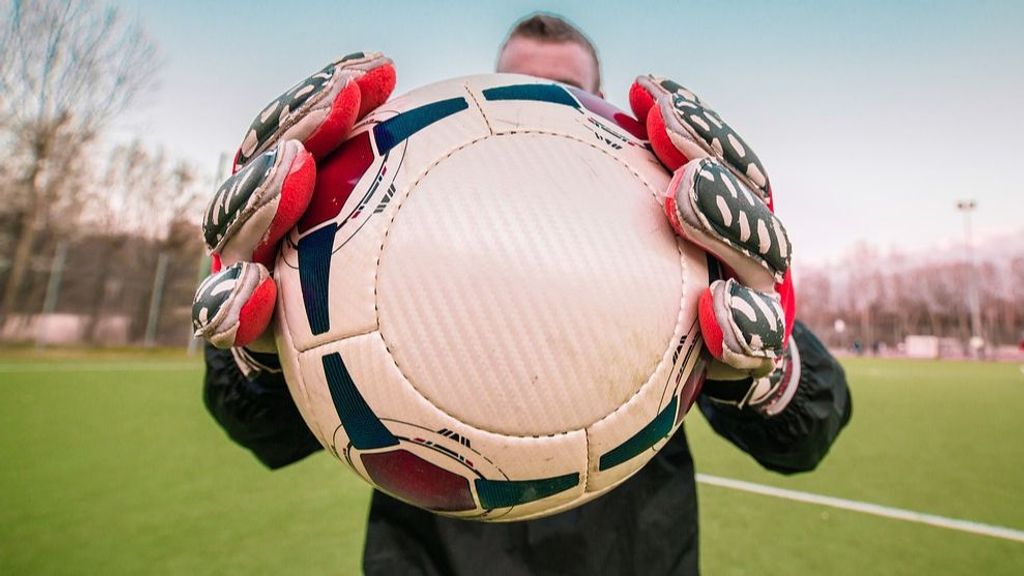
898, 295
67, 67
141, 194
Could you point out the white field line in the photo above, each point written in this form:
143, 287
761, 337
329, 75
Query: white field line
866, 508
39, 367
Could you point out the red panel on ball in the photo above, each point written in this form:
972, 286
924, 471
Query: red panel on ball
337, 176
694, 382
415, 480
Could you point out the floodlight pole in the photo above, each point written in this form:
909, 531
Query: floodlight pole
968, 206
156, 299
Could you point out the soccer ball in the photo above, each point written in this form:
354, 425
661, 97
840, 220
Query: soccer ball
484, 312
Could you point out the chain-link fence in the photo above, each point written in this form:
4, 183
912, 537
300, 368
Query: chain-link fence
105, 290
122, 289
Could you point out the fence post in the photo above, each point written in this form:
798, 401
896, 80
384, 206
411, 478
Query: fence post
155, 299
60, 256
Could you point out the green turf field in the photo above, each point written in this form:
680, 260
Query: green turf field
110, 465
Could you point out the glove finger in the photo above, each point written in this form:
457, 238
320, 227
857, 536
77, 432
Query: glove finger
768, 395
376, 81
233, 307
256, 206
709, 206
684, 128
644, 95
742, 327
772, 393
320, 110
645, 92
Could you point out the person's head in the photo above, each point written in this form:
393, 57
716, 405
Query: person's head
547, 46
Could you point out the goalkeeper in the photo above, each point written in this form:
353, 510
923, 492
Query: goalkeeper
774, 391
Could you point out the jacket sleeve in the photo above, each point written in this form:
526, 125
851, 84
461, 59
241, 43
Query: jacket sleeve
256, 411
796, 439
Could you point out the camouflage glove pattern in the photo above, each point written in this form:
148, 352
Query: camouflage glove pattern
720, 198
271, 186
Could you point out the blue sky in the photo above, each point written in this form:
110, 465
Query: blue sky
872, 118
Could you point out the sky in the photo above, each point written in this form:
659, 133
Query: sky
872, 118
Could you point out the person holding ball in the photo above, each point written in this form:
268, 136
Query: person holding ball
773, 389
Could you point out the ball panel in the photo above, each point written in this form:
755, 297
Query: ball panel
559, 109
624, 442
507, 307
311, 313
334, 250
551, 106
294, 376
408, 477
562, 507
337, 178
421, 429
431, 143
643, 439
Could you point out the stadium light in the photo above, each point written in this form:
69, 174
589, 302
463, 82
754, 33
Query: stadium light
976, 342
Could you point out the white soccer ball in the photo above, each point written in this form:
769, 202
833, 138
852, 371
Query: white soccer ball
484, 312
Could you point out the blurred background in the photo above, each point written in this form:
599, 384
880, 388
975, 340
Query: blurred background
891, 132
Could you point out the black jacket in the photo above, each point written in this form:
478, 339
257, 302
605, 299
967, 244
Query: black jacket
648, 525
